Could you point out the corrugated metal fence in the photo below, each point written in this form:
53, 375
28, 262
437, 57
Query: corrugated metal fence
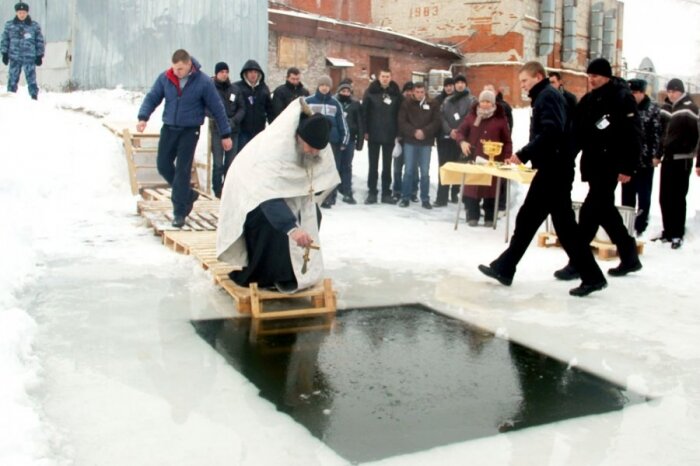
105, 43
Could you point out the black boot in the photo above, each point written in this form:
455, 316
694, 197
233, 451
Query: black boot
493, 273
625, 267
584, 289
567, 273
371, 198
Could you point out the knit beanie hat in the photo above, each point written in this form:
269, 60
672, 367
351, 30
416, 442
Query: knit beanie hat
324, 80
601, 67
221, 66
448, 81
488, 96
408, 86
21, 6
344, 86
460, 77
315, 130
638, 85
675, 85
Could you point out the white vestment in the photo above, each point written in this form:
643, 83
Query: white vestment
268, 168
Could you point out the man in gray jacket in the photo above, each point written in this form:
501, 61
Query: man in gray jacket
454, 109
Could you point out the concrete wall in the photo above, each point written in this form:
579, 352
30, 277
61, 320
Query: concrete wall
128, 42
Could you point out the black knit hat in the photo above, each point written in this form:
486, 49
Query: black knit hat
638, 85
601, 67
315, 130
344, 85
460, 77
221, 66
675, 85
448, 81
408, 86
21, 6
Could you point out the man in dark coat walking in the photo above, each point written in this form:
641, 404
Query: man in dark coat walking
550, 190
22, 47
640, 185
609, 133
188, 94
258, 104
284, 94
380, 106
679, 120
235, 109
352, 110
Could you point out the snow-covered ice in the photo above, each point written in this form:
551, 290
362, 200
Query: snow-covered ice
100, 365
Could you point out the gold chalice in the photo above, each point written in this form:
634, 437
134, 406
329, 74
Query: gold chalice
492, 149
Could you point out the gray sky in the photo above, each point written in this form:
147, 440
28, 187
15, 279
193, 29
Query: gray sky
667, 32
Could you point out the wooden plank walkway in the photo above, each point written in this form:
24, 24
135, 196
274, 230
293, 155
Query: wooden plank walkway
319, 300
605, 251
157, 208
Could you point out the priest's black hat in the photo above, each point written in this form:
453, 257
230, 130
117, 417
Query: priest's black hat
314, 130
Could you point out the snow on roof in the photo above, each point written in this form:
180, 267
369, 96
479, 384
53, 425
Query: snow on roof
329, 20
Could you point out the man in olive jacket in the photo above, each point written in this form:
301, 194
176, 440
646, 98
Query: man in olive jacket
419, 123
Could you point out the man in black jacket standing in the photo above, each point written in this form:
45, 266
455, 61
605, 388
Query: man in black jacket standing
609, 133
380, 107
550, 191
291, 89
231, 98
352, 110
679, 121
258, 104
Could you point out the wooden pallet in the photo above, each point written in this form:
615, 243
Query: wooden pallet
604, 250
316, 301
157, 209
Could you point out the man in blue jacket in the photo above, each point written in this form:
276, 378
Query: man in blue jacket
324, 103
188, 93
22, 46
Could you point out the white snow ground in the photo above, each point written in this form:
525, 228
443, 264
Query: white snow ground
100, 365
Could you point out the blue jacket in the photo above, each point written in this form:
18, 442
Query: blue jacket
328, 106
187, 106
22, 40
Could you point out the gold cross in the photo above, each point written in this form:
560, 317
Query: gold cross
307, 250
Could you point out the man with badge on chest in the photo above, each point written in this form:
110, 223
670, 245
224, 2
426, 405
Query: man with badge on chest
269, 220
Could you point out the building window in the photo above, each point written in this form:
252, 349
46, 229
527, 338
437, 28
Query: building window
418, 77
292, 52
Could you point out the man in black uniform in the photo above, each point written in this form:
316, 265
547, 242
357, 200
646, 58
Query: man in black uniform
550, 191
608, 130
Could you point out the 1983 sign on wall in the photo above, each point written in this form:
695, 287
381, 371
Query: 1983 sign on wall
423, 11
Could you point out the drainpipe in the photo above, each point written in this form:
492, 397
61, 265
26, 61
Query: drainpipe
547, 10
569, 42
596, 41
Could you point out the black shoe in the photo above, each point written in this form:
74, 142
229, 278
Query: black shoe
193, 198
676, 243
440, 204
371, 199
326, 205
426, 205
584, 289
348, 199
454, 199
403, 203
387, 199
491, 272
623, 269
662, 237
414, 198
34, 97
178, 221
567, 273
396, 196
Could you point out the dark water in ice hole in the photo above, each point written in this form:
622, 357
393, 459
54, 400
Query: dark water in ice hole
388, 381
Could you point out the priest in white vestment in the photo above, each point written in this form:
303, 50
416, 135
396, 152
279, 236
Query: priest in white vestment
269, 218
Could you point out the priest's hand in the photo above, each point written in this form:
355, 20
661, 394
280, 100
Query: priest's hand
227, 144
466, 148
514, 159
301, 237
655, 162
623, 178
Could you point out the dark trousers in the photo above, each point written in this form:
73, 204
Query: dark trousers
175, 156
373, 174
244, 138
345, 168
549, 194
473, 208
675, 178
598, 210
221, 160
337, 155
638, 190
448, 151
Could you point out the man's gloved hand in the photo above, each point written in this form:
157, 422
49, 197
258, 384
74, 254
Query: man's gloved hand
5, 59
39, 60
